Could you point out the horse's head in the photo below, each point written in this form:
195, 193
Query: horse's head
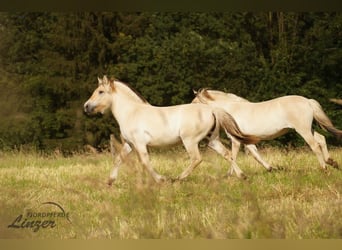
101, 99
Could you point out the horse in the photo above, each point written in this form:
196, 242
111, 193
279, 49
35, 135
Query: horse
337, 101
270, 119
143, 125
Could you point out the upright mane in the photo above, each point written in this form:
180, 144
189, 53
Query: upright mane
210, 94
131, 90
205, 93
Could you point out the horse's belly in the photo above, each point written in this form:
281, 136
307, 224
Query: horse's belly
163, 141
274, 135
264, 130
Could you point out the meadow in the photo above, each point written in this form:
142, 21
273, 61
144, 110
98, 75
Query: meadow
300, 201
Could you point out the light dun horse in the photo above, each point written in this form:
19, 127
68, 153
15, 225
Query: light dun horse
273, 118
142, 125
337, 101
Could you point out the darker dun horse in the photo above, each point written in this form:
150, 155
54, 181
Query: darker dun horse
143, 125
273, 118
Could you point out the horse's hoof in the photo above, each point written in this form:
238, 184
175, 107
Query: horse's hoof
325, 170
273, 169
229, 174
110, 182
173, 180
243, 176
161, 180
333, 163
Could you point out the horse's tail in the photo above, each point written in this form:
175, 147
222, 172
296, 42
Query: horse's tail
227, 122
323, 120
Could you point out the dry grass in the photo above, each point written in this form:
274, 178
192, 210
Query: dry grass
300, 201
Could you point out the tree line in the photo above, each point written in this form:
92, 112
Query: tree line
49, 63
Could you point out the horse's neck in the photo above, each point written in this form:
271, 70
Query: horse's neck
228, 97
125, 103
129, 94
235, 98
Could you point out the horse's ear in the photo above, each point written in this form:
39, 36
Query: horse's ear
105, 79
201, 90
112, 85
204, 91
100, 80
195, 92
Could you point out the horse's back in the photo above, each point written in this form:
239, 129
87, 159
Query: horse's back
177, 120
290, 104
285, 100
271, 118
284, 106
296, 105
293, 98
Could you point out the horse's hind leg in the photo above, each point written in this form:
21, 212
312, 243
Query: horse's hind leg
321, 141
145, 160
125, 150
314, 145
195, 158
254, 151
217, 145
235, 150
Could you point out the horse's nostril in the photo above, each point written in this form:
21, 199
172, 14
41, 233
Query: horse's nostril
86, 106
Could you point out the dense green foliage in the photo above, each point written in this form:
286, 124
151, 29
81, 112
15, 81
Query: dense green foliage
50, 63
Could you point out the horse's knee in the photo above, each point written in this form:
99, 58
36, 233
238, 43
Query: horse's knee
213, 145
319, 138
315, 147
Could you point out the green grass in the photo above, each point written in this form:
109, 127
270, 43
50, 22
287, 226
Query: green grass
298, 202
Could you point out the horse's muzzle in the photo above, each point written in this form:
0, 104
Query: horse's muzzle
88, 109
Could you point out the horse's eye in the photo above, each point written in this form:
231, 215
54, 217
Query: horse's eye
101, 92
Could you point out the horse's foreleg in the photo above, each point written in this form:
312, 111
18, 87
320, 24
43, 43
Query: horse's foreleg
217, 145
125, 150
145, 160
254, 151
195, 159
320, 139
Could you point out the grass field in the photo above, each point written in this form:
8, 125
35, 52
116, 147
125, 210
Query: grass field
299, 201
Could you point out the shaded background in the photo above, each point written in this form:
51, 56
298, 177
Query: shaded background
49, 63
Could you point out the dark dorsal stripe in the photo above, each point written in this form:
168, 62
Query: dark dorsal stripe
205, 93
131, 88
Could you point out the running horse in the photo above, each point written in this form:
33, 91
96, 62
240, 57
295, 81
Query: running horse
143, 125
273, 118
